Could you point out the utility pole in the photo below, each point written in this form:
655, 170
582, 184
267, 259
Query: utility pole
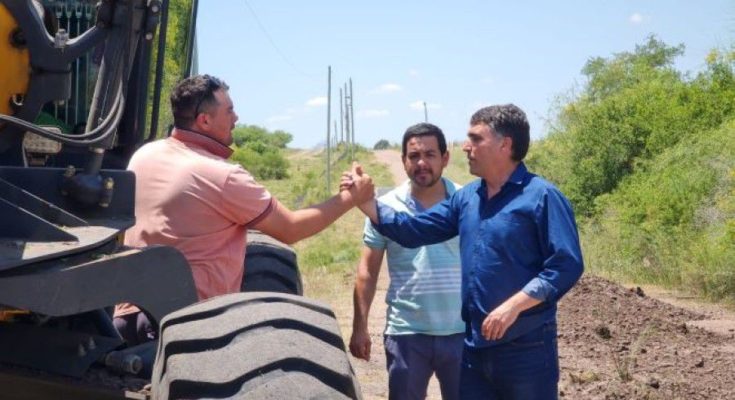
347, 121
341, 118
426, 114
329, 119
352, 113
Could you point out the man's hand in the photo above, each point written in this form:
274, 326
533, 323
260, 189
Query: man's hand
345, 183
501, 318
360, 344
362, 188
498, 321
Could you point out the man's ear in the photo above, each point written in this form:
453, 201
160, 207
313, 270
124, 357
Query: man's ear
201, 121
508, 143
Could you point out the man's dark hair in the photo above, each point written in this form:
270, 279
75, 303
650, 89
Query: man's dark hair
424, 129
506, 120
192, 96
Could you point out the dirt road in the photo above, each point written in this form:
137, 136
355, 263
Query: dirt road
614, 342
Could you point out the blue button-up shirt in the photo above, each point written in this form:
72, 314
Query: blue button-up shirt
523, 238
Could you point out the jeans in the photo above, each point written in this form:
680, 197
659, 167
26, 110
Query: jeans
526, 368
412, 359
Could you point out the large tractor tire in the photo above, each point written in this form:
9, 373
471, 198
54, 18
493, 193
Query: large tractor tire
270, 266
253, 346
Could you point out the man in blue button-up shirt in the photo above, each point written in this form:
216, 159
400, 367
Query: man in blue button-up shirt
520, 254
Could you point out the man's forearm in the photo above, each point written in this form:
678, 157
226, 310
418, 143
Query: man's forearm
362, 300
312, 220
370, 209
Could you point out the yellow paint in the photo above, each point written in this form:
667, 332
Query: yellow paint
9, 315
15, 65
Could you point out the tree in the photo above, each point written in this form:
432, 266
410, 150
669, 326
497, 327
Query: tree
260, 151
382, 144
634, 105
248, 134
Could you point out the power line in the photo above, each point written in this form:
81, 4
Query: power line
273, 43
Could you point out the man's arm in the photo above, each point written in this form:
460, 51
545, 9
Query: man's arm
435, 225
291, 226
366, 282
503, 316
370, 209
562, 267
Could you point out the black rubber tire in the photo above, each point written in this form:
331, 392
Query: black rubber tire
253, 346
270, 266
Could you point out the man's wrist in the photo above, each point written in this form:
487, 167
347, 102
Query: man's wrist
346, 197
359, 326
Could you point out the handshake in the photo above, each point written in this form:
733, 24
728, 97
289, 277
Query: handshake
361, 189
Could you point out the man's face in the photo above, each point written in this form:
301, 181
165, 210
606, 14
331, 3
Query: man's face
220, 119
424, 162
484, 149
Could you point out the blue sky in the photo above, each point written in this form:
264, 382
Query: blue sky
456, 56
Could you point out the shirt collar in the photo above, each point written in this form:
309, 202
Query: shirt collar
517, 178
194, 138
519, 175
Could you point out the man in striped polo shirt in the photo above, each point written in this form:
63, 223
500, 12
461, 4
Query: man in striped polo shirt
424, 330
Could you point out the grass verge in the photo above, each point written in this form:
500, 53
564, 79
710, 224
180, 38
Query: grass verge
327, 261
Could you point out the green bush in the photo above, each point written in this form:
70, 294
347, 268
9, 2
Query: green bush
263, 164
645, 154
634, 106
673, 222
247, 135
261, 152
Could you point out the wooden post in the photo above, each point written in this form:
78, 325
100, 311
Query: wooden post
329, 119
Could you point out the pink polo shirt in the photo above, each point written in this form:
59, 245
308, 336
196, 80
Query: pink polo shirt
187, 195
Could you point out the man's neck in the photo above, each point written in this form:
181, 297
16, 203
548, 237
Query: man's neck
203, 140
428, 196
496, 178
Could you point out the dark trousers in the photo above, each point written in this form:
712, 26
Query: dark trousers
412, 359
135, 328
526, 368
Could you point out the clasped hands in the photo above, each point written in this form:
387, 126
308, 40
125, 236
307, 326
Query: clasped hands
358, 184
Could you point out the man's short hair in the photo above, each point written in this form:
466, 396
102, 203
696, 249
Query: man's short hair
424, 129
506, 120
192, 96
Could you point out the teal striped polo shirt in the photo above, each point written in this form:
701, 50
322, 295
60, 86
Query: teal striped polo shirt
425, 283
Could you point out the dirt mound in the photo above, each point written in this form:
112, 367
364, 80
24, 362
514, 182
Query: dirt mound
617, 343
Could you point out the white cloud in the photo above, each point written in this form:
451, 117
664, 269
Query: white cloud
413, 72
487, 80
419, 105
317, 101
636, 19
373, 113
387, 88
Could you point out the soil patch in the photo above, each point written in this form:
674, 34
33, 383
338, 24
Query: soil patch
618, 343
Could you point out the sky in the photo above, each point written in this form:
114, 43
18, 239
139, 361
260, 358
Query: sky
455, 56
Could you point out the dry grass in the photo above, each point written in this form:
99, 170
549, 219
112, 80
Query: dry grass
327, 260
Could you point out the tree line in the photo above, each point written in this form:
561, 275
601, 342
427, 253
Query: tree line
645, 154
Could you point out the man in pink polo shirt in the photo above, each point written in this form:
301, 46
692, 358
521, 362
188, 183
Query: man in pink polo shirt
189, 196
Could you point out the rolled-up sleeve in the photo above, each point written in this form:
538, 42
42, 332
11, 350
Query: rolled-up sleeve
563, 263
